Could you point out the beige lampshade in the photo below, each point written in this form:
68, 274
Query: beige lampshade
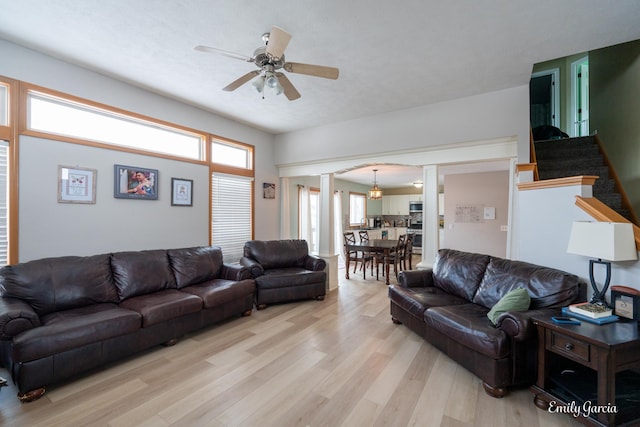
611, 241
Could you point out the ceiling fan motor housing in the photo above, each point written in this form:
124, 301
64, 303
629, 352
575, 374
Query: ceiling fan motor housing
261, 59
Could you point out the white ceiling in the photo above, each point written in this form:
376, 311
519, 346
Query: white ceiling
391, 55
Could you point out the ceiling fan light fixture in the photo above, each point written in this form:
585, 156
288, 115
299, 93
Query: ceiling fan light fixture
258, 83
375, 193
272, 81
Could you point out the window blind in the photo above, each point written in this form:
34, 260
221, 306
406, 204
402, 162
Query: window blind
4, 201
231, 219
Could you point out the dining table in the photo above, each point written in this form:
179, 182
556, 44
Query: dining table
384, 246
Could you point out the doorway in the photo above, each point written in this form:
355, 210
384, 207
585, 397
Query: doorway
544, 98
580, 96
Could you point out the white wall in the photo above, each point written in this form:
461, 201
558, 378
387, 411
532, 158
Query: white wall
502, 114
488, 189
65, 229
544, 227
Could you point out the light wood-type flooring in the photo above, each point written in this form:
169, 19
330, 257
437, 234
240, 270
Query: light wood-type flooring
337, 362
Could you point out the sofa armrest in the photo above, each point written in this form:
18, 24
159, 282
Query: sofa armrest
235, 272
16, 316
416, 278
314, 263
518, 324
255, 269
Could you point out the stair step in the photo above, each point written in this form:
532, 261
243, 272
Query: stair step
567, 152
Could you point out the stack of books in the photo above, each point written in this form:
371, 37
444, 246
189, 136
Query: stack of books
594, 313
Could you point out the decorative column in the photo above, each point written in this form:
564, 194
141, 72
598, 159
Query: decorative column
285, 209
430, 219
327, 240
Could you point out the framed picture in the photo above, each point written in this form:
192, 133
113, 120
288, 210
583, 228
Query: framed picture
76, 185
181, 192
131, 182
626, 302
268, 190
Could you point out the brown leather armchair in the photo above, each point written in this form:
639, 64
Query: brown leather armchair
284, 271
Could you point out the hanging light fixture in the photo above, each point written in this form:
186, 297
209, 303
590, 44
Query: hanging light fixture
417, 184
375, 193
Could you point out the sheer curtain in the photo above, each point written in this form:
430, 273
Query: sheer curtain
337, 224
306, 226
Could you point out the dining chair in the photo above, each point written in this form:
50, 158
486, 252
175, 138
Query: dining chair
408, 252
396, 257
369, 256
355, 256
399, 254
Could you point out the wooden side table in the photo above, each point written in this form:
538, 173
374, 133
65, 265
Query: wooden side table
606, 349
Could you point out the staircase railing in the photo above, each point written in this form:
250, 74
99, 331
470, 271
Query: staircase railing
617, 185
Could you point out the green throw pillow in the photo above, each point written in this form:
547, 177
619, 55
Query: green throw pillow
516, 300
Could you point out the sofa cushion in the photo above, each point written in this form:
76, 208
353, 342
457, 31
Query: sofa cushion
141, 272
468, 324
459, 273
54, 284
277, 253
285, 277
164, 305
546, 286
516, 300
216, 292
69, 329
417, 300
195, 265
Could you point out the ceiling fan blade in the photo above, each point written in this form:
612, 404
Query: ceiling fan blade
278, 41
312, 70
289, 90
208, 49
242, 80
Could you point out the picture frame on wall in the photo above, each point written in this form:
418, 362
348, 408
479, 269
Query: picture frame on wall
76, 184
268, 190
181, 192
130, 182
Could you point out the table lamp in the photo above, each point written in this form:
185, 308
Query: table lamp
606, 241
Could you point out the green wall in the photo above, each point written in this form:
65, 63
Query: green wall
614, 90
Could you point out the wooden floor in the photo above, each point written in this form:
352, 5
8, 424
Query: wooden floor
338, 362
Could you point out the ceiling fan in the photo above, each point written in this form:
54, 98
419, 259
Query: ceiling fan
270, 59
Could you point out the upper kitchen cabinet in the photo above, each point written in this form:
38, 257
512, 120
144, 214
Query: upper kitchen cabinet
395, 204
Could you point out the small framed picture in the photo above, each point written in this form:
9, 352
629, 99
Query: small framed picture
268, 190
626, 302
131, 182
181, 192
76, 185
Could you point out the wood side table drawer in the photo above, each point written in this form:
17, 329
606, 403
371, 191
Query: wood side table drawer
570, 347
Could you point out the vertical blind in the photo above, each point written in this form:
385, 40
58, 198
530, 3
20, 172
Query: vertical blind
4, 199
231, 214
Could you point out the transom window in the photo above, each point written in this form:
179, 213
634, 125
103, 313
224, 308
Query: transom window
50, 114
231, 154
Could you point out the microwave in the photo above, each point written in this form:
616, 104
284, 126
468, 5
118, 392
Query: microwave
415, 206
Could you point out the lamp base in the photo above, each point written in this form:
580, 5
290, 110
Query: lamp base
599, 295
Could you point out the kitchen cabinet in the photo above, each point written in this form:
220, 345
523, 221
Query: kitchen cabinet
415, 197
395, 204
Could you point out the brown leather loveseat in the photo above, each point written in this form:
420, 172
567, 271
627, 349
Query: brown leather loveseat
284, 271
62, 316
448, 306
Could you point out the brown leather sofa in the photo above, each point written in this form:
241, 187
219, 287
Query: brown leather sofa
284, 271
448, 305
63, 316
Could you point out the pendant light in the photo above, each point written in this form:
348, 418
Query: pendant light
375, 193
